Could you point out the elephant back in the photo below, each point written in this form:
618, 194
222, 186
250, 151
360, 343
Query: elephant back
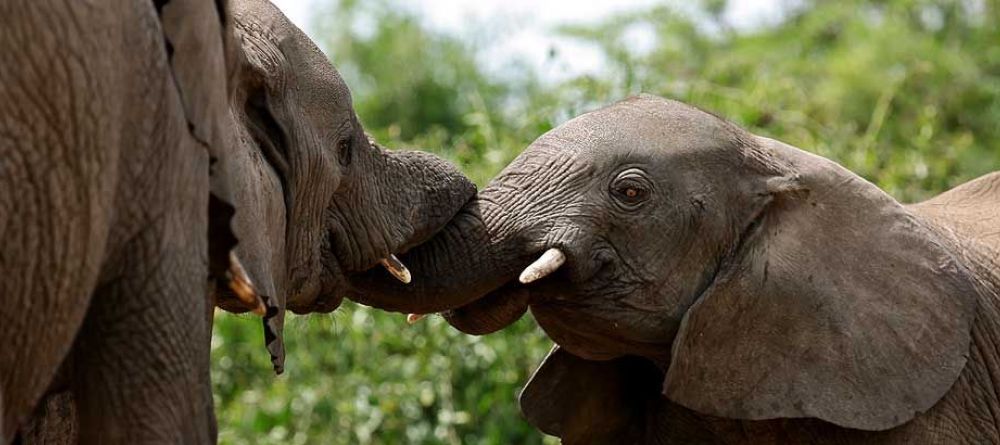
971, 211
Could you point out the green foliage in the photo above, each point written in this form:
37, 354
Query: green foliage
361, 376
904, 92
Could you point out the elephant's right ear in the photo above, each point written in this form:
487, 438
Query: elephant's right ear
199, 47
250, 177
836, 304
584, 401
233, 287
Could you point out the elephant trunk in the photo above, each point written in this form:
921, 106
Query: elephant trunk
470, 269
491, 313
473, 255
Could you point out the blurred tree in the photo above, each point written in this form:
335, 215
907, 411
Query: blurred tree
405, 77
904, 92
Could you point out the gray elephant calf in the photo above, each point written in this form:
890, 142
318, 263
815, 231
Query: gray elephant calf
706, 285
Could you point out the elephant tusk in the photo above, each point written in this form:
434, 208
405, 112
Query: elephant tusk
242, 287
396, 268
413, 318
543, 266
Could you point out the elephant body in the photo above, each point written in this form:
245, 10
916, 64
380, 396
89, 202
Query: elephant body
970, 211
707, 285
104, 185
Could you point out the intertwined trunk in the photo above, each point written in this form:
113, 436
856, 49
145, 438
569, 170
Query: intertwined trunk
476, 253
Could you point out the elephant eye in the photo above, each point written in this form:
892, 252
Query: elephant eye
631, 188
344, 151
631, 193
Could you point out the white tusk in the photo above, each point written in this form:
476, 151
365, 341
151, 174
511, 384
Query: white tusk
396, 268
544, 265
413, 318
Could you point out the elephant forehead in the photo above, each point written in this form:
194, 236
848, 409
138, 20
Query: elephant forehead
643, 124
314, 71
283, 51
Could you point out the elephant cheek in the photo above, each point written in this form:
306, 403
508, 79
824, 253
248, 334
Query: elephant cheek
566, 329
591, 335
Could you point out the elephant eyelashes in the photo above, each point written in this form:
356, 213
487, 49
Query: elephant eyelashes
631, 188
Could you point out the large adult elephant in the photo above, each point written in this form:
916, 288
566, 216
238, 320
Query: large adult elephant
131, 132
105, 146
706, 285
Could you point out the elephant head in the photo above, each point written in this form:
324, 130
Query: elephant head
757, 280
317, 201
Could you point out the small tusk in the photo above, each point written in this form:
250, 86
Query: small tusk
396, 268
413, 318
242, 287
544, 265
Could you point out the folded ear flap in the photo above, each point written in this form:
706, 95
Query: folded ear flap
249, 177
233, 289
259, 222
838, 304
583, 401
199, 51
203, 60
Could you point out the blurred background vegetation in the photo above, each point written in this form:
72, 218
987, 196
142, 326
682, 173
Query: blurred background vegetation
904, 92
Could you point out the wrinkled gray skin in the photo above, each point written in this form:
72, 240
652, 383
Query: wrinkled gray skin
105, 144
115, 114
316, 201
721, 287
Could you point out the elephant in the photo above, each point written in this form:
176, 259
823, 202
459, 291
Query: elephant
162, 158
105, 150
707, 285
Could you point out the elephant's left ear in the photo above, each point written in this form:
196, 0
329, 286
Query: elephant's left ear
838, 304
583, 401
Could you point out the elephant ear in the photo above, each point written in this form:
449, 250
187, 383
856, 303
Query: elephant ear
583, 401
838, 304
252, 177
204, 60
198, 47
